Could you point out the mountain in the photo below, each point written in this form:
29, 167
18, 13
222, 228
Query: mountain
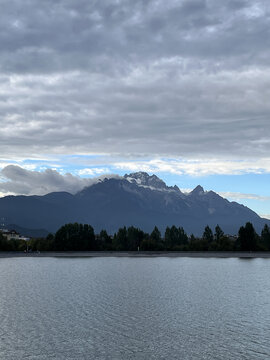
35, 233
147, 181
136, 199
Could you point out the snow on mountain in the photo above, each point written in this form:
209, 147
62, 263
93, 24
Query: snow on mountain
152, 182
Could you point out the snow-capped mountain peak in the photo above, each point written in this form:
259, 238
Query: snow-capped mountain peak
150, 181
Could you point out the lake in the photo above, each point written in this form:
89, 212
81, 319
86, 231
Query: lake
134, 308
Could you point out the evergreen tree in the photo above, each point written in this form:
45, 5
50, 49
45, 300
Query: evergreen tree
167, 238
105, 240
135, 238
265, 236
75, 237
175, 238
155, 235
218, 233
3, 243
153, 242
208, 234
182, 236
247, 237
120, 239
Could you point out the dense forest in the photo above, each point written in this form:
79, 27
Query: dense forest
81, 237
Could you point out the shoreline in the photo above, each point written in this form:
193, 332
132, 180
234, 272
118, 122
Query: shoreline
140, 254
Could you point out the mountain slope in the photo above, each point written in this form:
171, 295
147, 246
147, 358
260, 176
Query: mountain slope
136, 199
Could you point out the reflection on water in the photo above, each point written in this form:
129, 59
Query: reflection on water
134, 308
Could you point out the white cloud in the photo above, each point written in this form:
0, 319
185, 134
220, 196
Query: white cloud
186, 190
265, 216
93, 171
238, 196
198, 167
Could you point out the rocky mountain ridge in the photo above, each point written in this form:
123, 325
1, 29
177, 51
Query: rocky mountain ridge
136, 199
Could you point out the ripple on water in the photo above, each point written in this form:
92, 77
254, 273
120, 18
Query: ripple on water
134, 308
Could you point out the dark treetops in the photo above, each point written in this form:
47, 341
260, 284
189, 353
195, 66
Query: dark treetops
81, 237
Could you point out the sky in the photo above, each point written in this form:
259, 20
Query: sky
179, 88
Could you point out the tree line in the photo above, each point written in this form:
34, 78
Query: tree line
81, 237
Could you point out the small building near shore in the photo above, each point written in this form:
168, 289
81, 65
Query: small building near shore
12, 234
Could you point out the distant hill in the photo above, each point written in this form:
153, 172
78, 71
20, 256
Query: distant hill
35, 233
136, 199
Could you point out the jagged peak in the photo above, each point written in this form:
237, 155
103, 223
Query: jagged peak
198, 190
142, 175
142, 178
138, 174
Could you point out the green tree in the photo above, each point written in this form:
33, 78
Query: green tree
171, 237
75, 237
265, 236
175, 238
120, 239
196, 244
247, 237
208, 235
155, 235
105, 240
167, 238
182, 236
134, 238
152, 242
3, 243
218, 233
225, 244
42, 244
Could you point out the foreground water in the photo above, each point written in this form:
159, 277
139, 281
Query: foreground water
134, 308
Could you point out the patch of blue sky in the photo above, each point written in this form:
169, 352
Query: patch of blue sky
260, 207
245, 183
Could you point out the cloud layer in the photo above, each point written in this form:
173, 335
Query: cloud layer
16, 180
198, 167
147, 78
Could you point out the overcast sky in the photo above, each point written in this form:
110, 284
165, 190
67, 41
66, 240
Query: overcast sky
180, 88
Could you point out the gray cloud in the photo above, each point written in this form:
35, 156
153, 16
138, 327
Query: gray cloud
185, 78
16, 180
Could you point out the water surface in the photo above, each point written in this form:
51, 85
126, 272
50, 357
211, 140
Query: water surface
134, 308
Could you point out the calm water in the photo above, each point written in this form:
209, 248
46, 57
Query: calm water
134, 308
